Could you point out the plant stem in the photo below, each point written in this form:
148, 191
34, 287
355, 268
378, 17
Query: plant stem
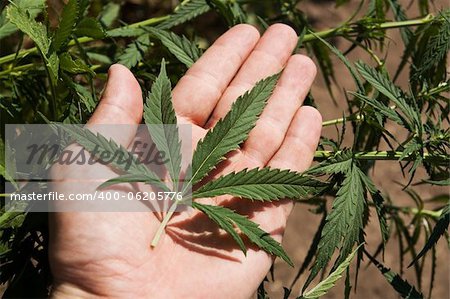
163, 225
308, 37
384, 155
387, 25
352, 117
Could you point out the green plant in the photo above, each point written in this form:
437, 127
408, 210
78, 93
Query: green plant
57, 80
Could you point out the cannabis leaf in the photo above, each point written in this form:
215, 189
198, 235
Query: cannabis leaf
32, 7
232, 130
261, 184
345, 221
119, 157
186, 11
344, 60
400, 285
438, 230
325, 285
135, 51
35, 30
226, 218
183, 49
90, 27
395, 94
162, 122
67, 24
38, 33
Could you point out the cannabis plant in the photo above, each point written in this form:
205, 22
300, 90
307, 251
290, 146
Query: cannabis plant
57, 81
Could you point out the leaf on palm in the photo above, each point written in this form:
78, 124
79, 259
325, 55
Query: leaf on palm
122, 159
162, 122
232, 130
262, 184
227, 219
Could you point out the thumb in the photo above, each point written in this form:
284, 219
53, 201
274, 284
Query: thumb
120, 108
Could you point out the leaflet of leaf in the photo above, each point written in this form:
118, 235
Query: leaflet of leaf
132, 166
325, 285
344, 222
182, 48
186, 11
262, 184
67, 23
162, 122
232, 130
224, 217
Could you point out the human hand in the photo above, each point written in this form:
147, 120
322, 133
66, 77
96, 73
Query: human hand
109, 254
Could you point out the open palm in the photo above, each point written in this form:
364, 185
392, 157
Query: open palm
109, 254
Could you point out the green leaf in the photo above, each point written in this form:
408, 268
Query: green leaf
32, 7
438, 230
135, 51
232, 130
159, 111
325, 285
261, 184
53, 67
383, 109
344, 60
35, 30
66, 26
90, 27
225, 218
109, 14
401, 286
378, 201
186, 11
76, 66
183, 49
386, 87
344, 223
438, 46
341, 162
122, 159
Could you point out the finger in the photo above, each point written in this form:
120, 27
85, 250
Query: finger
121, 105
268, 58
292, 88
297, 150
299, 145
197, 93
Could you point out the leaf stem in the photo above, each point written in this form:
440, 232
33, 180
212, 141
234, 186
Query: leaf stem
384, 155
163, 224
